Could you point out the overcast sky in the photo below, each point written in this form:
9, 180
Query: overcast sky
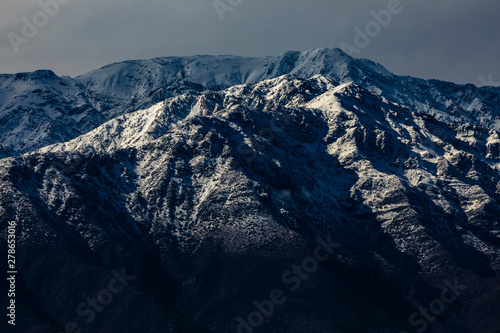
453, 40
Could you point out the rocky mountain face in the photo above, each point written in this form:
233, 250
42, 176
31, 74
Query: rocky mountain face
304, 192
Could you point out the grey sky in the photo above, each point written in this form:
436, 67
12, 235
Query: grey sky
454, 40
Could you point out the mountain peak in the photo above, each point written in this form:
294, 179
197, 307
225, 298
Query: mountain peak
41, 74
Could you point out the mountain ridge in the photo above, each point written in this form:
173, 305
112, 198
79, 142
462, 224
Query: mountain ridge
106, 93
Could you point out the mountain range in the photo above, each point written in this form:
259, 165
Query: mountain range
211, 180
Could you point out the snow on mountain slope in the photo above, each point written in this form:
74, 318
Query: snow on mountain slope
41, 108
393, 150
136, 80
130, 130
38, 109
141, 127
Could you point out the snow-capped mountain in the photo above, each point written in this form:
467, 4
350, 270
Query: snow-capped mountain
210, 177
40, 108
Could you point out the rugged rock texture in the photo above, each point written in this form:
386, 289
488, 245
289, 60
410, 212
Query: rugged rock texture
210, 196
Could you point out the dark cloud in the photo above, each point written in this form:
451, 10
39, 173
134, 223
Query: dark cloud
454, 40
